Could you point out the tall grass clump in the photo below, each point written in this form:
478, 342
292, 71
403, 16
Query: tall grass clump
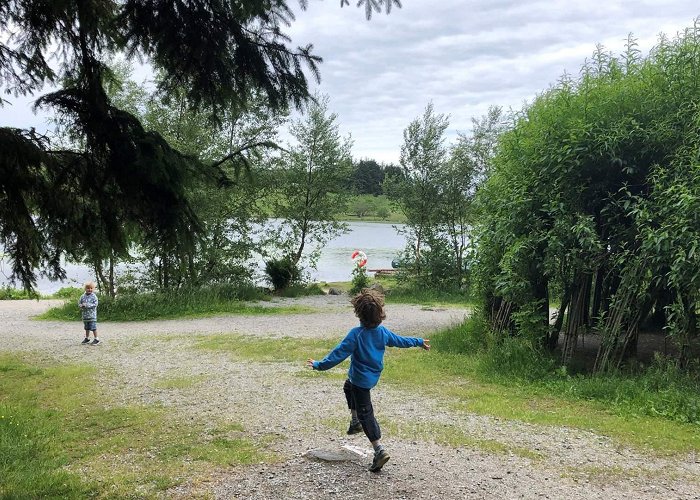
9, 293
282, 273
498, 359
662, 390
172, 304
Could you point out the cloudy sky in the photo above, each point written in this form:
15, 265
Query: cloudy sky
463, 55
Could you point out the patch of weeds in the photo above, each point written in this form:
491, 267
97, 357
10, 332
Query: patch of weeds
180, 382
266, 350
446, 435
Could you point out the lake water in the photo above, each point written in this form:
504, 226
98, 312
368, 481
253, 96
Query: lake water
380, 241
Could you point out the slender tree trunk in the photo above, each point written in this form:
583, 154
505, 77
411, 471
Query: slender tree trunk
112, 284
597, 296
580, 300
300, 251
556, 328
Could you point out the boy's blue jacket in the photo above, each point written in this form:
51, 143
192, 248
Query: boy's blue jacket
366, 347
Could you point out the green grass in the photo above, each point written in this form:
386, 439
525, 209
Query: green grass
266, 350
62, 437
179, 382
9, 293
476, 383
446, 434
427, 298
150, 306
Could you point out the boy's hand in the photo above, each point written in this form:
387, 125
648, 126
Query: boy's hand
310, 363
426, 344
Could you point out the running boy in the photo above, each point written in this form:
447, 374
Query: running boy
365, 345
88, 309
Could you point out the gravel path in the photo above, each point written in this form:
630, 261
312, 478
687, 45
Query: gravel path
272, 399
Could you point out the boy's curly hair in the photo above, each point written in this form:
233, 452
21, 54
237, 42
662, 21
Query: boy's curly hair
369, 307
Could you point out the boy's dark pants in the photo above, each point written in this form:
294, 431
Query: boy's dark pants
359, 400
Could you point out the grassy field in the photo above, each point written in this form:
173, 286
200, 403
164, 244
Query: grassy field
61, 436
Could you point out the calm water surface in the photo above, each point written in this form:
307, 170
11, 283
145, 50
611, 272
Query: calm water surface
380, 241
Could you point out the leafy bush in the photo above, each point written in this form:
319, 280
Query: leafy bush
8, 293
282, 272
68, 292
360, 280
175, 304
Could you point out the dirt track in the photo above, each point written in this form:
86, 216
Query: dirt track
271, 398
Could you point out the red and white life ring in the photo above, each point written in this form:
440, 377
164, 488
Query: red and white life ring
359, 258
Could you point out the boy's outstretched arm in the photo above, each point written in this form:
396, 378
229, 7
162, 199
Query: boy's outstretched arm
338, 354
394, 340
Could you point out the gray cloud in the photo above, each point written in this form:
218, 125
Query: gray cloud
463, 55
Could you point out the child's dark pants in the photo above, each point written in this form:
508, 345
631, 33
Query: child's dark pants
359, 400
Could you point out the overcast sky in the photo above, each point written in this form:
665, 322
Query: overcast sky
463, 55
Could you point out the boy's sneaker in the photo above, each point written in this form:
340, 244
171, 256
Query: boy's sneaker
95, 342
355, 428
379, 460
86, 340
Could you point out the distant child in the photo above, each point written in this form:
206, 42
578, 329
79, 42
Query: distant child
88, 309
365, 345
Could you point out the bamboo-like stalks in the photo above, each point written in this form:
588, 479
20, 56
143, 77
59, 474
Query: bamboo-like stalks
580, 302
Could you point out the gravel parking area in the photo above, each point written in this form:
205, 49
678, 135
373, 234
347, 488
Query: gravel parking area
272, 399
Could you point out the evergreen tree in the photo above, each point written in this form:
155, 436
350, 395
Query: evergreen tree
367, 177
217, 50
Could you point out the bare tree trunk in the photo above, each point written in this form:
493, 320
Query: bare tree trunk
597, 295
580, 300
112, 284
556, 328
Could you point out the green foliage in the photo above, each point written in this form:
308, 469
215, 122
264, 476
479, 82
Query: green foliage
435, 191
359, 281
310, 182
661, 390
593, 193
422, 156
115, 178
282, 273
372, 208
401, 289
367, 177
231, 215
9, 293
362, 206
68, 292
222, 299
301, 290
